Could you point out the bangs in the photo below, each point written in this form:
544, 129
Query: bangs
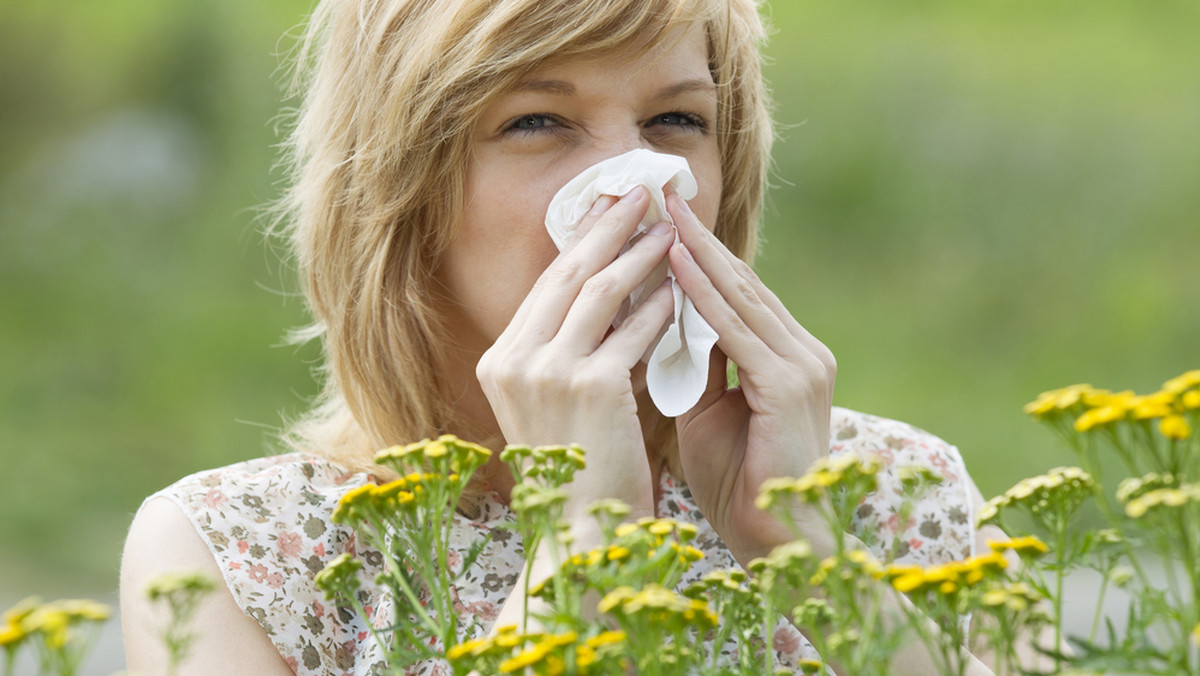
525, 33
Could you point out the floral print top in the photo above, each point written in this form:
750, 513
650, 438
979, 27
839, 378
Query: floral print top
266, 522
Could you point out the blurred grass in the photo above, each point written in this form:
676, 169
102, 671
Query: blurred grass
974, 203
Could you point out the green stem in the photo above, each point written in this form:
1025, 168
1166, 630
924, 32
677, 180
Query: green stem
1059, 574
1099, 605
769, 635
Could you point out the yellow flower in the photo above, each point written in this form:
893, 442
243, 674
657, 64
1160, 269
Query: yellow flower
909, 582
11, 634
1175, 428
610, 507
825, 473
1169, 497
526, 658
448, 452
659, 604
788, 554
617, 553
1026, 545
994, 597
1191, 400
811, 666
949, 577
1131, 487
1183, 382
625, 530
690, 554
474, 647
23, 609
1152, 406
1100, 416
661, 527
1057, 401
541, 652
508, 636
85, 609
606, 638
1064, 487
179, 582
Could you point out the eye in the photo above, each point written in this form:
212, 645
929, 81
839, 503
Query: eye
679, 119
531, 123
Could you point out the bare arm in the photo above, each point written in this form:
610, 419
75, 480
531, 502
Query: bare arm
228, 641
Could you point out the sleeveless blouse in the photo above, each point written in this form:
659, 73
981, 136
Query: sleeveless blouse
267, 523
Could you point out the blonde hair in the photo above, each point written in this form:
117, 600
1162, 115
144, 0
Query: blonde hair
378, 153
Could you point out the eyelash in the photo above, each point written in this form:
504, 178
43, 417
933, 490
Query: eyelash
688, 119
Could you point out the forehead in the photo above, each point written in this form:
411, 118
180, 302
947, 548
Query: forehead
680, 54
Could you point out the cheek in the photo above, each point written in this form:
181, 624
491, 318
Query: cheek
707, 202
499, 251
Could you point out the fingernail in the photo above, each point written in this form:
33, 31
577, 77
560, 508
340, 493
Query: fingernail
636, 195
687, 255
661, 228
602, 205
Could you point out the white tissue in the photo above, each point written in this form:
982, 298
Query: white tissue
677, 369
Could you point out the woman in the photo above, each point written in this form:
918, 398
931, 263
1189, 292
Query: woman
430, 141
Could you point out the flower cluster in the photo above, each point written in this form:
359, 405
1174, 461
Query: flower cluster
1026, 546
179, 593
1152, 513
544, 465
827, 474
654, 604
1149, 501
1092, 408
445, 456
948, 578
409, 520
1135, 487
61, 631
647, 551
510, 651
1015, 597
1059, 492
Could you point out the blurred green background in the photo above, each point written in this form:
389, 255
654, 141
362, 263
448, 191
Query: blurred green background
973, 202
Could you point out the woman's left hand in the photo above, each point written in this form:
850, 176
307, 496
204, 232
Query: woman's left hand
776, 423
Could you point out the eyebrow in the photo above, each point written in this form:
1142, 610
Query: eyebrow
564, 88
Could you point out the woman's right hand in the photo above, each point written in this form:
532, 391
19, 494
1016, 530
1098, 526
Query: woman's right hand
558, 375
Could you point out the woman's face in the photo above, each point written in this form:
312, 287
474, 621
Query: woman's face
566, 116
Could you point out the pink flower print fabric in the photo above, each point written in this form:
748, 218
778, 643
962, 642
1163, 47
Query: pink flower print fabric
266, 522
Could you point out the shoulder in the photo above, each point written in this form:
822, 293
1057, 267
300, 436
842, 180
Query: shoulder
160, 540
263, 528
267, 520
264, 485
894, 442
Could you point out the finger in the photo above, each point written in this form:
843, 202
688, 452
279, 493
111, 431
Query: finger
712, 271
541, 313
628, 342
602, 204
601, 297
736, 338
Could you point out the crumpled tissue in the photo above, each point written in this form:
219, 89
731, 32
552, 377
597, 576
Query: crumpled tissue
677, 368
